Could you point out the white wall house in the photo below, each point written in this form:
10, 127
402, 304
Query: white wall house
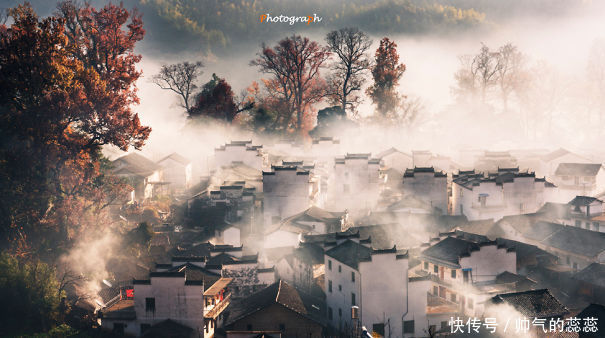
507, 192
579, 179
240, 151
550, 161
144, 175
287, 191
374, 280
355, 182
584, 212
427, 185
395, 159
177, 171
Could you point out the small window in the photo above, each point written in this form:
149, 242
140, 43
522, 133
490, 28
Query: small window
426, 265
353, 276
150, 304
282, 327
435, 269
339, 287
378, 328
453, 297
339, 312
340, 268
454, 274
444, 324
329, 313
329, 286
353, 299
578, 223
408, 326
329, 264
145, 327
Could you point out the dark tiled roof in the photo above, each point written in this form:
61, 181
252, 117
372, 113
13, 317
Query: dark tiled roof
470, 179
577, 240
196, 273
123, 309
538, 231
526, 250
278, 293
176, 157
533, 304
594, 311
411, 172
578, 169
136, 164
582, 201
593, 274
449, 251
350, 253
313, 214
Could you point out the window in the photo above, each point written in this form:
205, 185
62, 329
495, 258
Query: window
339, 287
145, 327
340, 268
150, 304
465, 275
568, 260
435, 269
578, 223
595, 226
329, 286
352, 299
588, 225
408, 326
339, 312
432, 329
329, 264
378, 328
118, 328
282, 327
454, 274
575, 266
329, 313
443, 324
453, 297
249, 327
426, 265
353, 276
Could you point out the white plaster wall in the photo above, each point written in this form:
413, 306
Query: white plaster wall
488, 262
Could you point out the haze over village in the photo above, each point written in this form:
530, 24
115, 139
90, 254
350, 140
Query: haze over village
396, 169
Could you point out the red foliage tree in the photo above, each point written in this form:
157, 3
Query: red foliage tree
386, 73
67, 84
216, 100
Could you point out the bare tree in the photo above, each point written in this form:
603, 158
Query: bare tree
485, 66
294, 63
181, 79
511, 71
350, 45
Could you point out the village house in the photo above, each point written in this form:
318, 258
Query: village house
177, 171
355, 183
145, 176
591, 282
535, 304
550, 161
428, 185
312, 221
579, 179
240, 151
174, 294
583, 212
373, 280
300, 267
395, 159
506, 192
279, 308
492, 160
325, 148
287, 191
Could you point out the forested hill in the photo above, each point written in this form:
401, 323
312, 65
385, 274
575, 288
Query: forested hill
223, 25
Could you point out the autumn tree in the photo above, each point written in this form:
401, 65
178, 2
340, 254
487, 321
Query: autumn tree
512, 72
386, 73
216, 100
350, 45
180, 78
294, 64
67, 86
